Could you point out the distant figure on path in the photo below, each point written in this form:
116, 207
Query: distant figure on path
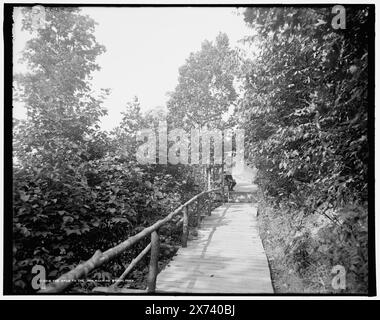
230, 181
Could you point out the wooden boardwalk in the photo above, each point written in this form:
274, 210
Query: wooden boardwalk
226, 256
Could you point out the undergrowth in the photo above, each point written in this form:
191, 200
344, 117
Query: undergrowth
303, 249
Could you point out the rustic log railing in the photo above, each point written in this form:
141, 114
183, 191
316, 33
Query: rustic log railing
99, 258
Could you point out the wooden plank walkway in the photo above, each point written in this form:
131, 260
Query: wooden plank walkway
226, 256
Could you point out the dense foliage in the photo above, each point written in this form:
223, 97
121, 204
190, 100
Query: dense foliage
205, 89
306, 105
77, 188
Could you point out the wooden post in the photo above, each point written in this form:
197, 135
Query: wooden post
153, 265
223, 183
223, 159
206, 169
213, 177
209, 178
198, 211
185, 232
209, 204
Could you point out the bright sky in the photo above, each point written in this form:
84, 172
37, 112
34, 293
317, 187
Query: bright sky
145, 48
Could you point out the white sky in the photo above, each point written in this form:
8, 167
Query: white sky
145, 48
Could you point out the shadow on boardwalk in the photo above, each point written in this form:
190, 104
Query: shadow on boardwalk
226, 257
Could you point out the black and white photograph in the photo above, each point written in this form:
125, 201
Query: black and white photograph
189, 150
